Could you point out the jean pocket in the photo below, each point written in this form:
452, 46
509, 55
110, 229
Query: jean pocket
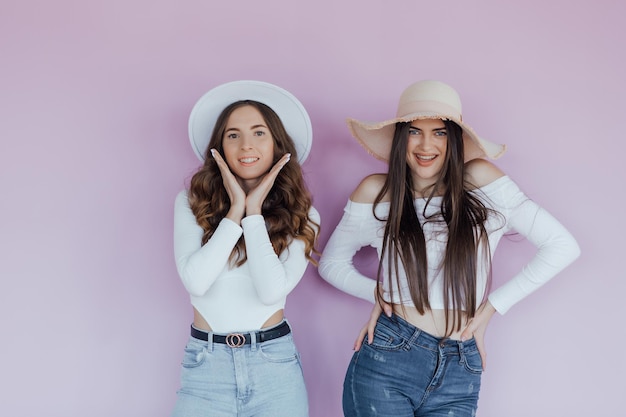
279, 350
473, 362
386, 339
195, 354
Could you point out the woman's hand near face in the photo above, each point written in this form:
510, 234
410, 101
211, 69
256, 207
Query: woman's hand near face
241, 204
256, 196
235, 193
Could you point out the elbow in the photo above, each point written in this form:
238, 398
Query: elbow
270, 298
321, 268
194, 289
194, 286
273, 284
333, 272
271, 292
563, 252
575, 252
324, 267
572, 249
195, 292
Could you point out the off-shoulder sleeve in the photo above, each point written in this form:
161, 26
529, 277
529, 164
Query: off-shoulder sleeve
556, 247
357, 228
199, 265
273, 276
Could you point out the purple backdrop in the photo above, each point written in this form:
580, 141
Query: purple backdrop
94, 100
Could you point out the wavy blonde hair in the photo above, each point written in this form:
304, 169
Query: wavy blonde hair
285, 209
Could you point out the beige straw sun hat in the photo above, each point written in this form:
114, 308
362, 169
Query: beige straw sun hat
423, 100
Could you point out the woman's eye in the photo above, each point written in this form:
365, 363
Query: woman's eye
259, 133
232, 136
414, 131
441, 133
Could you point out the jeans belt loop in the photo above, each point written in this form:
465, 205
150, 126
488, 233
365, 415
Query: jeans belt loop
461, 351
253, 338
209, 342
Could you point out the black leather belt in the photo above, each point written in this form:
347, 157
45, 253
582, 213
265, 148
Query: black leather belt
236, 340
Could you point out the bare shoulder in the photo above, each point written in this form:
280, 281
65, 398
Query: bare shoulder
480, 172
368, 189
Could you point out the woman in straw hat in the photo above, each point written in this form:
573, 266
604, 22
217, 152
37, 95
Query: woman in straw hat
435, 220
244, 233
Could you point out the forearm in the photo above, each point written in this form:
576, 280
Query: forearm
556, 249
199, 265
273, 277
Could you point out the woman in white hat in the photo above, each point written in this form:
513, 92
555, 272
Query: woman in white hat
435, 220
244, 233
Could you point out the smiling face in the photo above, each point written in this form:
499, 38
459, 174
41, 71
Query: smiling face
248, 146
426, 151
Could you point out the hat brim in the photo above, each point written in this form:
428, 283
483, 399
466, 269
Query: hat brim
289, 109
376, 138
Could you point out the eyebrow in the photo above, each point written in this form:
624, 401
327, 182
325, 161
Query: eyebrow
251, 128
434, 130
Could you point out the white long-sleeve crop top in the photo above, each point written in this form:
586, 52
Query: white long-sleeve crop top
556, 248
235, 299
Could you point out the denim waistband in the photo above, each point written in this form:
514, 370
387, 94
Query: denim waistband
418, 337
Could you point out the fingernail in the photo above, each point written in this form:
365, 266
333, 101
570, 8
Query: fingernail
213, 153
288, 157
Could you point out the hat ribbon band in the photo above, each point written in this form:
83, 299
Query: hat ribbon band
436, 108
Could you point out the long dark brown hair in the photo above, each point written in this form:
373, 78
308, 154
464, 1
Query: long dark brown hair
464, 215
285, 209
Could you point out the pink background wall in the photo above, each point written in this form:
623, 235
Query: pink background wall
94, 100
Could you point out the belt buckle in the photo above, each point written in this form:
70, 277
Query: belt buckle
235, 340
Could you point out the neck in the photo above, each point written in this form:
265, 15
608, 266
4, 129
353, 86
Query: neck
248, 185
421, 190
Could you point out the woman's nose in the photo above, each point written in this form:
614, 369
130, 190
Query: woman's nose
246, 142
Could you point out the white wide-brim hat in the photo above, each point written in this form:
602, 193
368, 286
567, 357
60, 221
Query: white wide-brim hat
288, 108
423, 100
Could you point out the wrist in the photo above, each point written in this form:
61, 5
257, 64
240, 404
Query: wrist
253, 210
488, 309
235, 214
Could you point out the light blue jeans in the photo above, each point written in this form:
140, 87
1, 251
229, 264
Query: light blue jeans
259, 379
406, 372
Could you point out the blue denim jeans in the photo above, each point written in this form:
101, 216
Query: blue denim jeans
259, 379
407, 372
